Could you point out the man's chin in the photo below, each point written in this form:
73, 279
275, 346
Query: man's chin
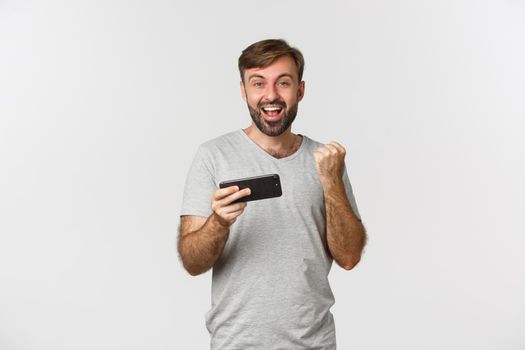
272, 129
273, 123
271, 126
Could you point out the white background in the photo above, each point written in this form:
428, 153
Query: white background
103, 105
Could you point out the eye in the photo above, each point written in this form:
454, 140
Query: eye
284, 83
258, 84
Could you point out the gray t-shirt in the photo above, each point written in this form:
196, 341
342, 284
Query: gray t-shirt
270, 286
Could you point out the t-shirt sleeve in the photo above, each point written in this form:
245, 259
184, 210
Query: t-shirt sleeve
199, 186
350, 194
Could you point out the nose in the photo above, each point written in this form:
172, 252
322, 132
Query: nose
271, 92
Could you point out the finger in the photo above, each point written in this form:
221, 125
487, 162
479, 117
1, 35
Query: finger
232, 208
231, 217
226, 212
236, 195
338, 146
224, 192
323, 150
332, 148
335, 145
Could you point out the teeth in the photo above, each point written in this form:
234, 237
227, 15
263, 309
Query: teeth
270, 109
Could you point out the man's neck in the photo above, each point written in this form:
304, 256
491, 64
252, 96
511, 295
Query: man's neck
280, 146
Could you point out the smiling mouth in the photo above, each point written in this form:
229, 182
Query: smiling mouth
272, 113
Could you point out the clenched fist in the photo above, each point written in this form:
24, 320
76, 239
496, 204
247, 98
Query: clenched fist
329, 161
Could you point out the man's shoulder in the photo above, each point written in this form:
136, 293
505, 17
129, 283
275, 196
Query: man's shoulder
312, 143
228, 138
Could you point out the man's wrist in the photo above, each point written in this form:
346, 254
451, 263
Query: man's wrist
218, 222
332, 184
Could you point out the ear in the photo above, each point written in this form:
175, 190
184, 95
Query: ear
243, 91
300, 91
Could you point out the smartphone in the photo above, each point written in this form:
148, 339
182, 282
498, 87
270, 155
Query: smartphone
262, 187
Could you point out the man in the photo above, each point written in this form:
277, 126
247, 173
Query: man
271, 257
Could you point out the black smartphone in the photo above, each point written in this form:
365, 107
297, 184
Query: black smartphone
262, 187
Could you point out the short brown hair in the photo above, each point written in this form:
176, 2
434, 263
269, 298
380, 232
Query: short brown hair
262, 53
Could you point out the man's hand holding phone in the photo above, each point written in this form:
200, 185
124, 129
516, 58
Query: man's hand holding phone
224, 211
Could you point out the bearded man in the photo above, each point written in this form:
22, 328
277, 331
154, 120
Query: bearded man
270, 258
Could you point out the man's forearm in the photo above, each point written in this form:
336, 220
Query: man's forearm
346, 236
200, 249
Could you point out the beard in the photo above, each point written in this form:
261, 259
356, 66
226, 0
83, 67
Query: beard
275, 128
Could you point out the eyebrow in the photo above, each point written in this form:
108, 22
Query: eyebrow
279, 77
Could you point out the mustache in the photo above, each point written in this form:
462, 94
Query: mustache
272, 103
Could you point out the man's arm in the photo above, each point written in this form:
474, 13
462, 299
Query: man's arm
345, 234
201, 240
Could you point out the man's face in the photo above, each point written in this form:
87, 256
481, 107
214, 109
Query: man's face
273, 94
